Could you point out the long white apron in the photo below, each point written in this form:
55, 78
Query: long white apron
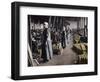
49, 47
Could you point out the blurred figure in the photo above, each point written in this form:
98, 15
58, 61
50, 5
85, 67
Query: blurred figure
69, 32
64, 39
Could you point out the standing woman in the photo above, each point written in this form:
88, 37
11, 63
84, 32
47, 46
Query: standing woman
64, 38
46, 48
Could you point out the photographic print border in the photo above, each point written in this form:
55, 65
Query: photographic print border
15, 40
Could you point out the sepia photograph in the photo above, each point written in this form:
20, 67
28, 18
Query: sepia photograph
57, 40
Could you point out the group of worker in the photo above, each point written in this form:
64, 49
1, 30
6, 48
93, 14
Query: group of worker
46, 43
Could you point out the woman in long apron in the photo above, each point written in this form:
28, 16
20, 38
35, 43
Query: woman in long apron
64, 38
46, 44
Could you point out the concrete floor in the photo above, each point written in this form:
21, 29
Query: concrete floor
67, 57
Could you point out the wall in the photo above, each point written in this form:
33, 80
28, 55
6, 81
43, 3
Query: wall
5, 40
73, 24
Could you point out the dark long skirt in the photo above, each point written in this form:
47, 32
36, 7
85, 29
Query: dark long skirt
44, 54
